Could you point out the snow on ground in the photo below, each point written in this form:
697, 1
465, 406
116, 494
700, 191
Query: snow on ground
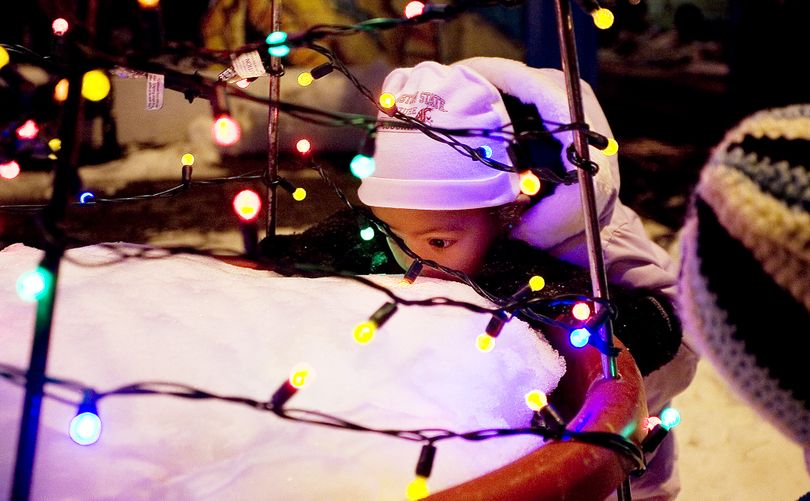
230, 330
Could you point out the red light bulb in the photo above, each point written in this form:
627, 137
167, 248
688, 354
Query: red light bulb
9, 170
28, 130
414, 9
226, 131
247, 205
581, 311
303, 146
60, 26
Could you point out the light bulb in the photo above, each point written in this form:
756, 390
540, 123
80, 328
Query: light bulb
362, 166
303, 146
60, 91
537, 283
651, 422
28, 130
305, 79
485, 343
187, 159
414, 9
276, 37
148, 4
85, 428
364, 331
536, 400
529, 183
299, 194
55, 144
367, 233
95, 85
9, 170
388, 100
247, 205
226, 130
581, 311
86, 197
34, 285
4, 57
670, 418
278, 50
579, 337
485, 151
602, 18
301, 376
612, 147
417, 489
60, 26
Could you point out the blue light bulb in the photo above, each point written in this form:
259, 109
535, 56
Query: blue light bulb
362, 166
579, 337
276, 37
278, 50
367, 233
85, 428
485, 151
670, 418
86, 197
34, 285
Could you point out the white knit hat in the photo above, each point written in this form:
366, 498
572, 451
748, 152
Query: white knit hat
414, 171
745, 269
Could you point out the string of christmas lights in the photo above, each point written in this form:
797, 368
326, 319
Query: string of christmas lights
86, 426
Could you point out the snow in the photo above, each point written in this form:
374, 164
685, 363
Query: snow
229, 330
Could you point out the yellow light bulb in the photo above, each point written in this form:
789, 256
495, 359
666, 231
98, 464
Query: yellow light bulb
60, 92
95, 85
485, 343
536, 283
529, 183
305, 79
301, 375
299, 194
148, 4
602, 18
536, 400
417, 489
55, 144
612, 147
4, 57
388, 100
364, 332
187, 159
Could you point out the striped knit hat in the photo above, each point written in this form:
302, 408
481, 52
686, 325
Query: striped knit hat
745, 269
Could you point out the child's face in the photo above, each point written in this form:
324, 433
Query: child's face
457, 239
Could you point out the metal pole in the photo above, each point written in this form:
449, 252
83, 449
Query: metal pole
272, 128
570, 67
65, 182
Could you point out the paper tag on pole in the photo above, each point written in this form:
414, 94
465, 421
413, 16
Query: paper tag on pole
155, 84
249, 65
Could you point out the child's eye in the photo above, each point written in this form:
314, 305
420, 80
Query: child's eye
439, 243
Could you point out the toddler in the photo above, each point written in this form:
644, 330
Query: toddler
450, 208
